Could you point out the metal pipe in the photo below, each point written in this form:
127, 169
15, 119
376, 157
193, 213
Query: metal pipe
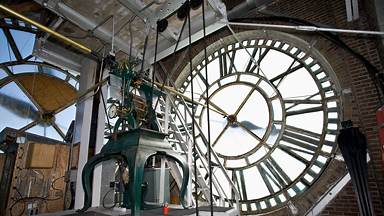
46, 29
241, 9
306, 28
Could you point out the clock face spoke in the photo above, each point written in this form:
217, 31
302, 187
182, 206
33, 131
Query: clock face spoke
275, 115
220, 135
290, 70
305, 110
250, 132
244, 101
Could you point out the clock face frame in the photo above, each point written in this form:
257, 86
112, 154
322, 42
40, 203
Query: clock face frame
279, 131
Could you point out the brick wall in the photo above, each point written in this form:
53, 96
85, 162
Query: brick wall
352, 74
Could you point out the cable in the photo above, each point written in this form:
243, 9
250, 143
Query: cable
103, 202
168, 76
53, 184
13, 205
208, 111
192, 102
154, 69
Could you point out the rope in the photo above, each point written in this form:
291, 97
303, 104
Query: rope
169, 75
208, 115
193, 109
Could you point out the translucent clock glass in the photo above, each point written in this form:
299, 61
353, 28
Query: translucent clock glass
274, 113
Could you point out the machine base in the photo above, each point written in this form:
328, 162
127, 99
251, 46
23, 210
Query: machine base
203, 211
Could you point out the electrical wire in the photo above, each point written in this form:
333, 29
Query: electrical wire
103, 202
13, 205
45, 199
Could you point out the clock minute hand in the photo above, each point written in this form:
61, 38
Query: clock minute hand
225, 114
216, 109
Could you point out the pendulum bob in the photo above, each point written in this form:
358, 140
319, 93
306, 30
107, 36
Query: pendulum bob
133, 147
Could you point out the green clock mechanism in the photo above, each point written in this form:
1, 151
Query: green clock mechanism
134, 139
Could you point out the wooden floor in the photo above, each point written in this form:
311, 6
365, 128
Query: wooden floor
203, 211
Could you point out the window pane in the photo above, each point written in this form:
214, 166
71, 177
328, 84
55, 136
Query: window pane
24, 41
16, 109
23, 68
54, 72
46, 131
2, 74
65, 117
6, 53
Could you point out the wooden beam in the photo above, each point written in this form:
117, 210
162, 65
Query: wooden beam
26, 7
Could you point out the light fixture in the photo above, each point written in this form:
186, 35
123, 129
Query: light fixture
20, 139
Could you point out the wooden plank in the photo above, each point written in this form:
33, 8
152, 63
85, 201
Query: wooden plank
42, 175
40, 156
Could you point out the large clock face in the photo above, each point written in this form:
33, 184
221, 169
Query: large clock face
273, 126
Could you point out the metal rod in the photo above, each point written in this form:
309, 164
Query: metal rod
193, 109
46, 29
305, 28
208, 116
174, 91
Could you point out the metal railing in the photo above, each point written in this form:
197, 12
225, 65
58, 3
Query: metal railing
179, 120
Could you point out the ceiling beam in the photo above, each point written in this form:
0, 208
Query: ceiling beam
88, 24
25, 7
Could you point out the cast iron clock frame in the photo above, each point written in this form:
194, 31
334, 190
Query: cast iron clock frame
293, 141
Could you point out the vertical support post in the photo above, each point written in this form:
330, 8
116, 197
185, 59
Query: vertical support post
85, 118
83, 124
166, 114
162, 179
190, 160
98, 178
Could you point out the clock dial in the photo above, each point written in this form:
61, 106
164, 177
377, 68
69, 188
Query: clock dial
112, 111
278, 114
